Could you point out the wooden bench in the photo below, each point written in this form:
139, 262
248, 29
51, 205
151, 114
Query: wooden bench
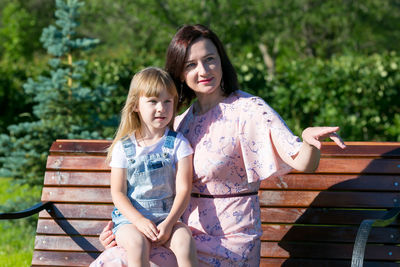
307, 219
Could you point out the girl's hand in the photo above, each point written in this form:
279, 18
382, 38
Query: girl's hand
164, 232
107, 238
312, 135
147, 227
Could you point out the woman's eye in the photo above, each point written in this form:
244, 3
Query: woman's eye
208, 59
190, 65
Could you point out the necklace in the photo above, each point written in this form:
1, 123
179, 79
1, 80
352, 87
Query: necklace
141, 139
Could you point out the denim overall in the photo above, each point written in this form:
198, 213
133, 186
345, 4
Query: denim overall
150, 182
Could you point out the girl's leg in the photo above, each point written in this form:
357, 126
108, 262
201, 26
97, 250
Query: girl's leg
135, 243
183, 245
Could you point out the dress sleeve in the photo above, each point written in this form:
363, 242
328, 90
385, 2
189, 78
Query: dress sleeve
257, 123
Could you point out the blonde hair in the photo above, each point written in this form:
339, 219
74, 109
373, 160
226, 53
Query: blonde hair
148, 82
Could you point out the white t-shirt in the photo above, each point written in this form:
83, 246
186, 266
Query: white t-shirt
181, 149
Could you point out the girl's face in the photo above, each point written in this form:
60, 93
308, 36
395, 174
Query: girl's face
202, 70
155, 113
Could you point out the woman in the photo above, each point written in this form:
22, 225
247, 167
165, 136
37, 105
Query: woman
238, 141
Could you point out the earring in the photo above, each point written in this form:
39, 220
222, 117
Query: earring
222, 85
181, 93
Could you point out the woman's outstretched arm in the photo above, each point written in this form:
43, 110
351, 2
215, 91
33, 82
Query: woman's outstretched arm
307, 159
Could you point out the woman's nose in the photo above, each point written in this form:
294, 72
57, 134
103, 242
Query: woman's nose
202, 68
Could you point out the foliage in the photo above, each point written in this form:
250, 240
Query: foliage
16, 22
63, 106
359, 93
17, 238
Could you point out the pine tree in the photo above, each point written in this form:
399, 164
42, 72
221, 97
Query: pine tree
65, 106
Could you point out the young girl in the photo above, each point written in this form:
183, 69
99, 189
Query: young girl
151, 172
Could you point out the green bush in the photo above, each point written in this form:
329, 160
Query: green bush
17, 238
356, 92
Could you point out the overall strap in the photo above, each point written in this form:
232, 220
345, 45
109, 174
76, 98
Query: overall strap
169, 141
129, 147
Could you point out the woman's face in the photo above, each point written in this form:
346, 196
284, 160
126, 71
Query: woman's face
202, 69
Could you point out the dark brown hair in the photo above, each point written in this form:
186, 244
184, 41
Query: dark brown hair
177, 52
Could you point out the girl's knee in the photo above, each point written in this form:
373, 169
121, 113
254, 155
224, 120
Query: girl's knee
129, 237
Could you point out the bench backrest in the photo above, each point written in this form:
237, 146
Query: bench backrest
307, 218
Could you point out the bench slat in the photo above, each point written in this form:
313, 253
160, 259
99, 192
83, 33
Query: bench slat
68, 243
60, 227
343, 234
289, 181
76, 194
358, 165
390, 149
54, 178
327, 251
80, 146
79, 211
272, 198
327, 199
361, 149
327, 165
58, 258
333, 182
320, 215
273, 262
92, 163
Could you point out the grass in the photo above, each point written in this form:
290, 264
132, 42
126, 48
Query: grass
17, 236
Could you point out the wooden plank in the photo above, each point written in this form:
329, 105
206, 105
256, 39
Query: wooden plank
72, 227
274, 262
359, 165
85, 163
61, 178
362, 149
79, 211
341, 234
328, 148
68, 243
333, 182
327, 251
76, 194
58, 258
328, 199
80, 146
320, 216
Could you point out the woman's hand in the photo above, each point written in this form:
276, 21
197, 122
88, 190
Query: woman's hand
148, 228
164, 232
107, 238
313, 135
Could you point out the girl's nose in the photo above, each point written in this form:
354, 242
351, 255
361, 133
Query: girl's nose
160, 107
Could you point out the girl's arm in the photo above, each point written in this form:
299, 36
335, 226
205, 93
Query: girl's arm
124, 205
184, 177
307, 159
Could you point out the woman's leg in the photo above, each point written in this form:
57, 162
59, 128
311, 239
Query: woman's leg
136, 244
183, 245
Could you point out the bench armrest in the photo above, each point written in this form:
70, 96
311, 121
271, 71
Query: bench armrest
26, 213
363, 233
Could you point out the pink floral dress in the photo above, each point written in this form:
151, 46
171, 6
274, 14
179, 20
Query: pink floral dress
233, 152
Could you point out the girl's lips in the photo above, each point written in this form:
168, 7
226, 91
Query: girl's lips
206, 80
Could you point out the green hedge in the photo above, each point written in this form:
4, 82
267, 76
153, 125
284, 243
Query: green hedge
359, 93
